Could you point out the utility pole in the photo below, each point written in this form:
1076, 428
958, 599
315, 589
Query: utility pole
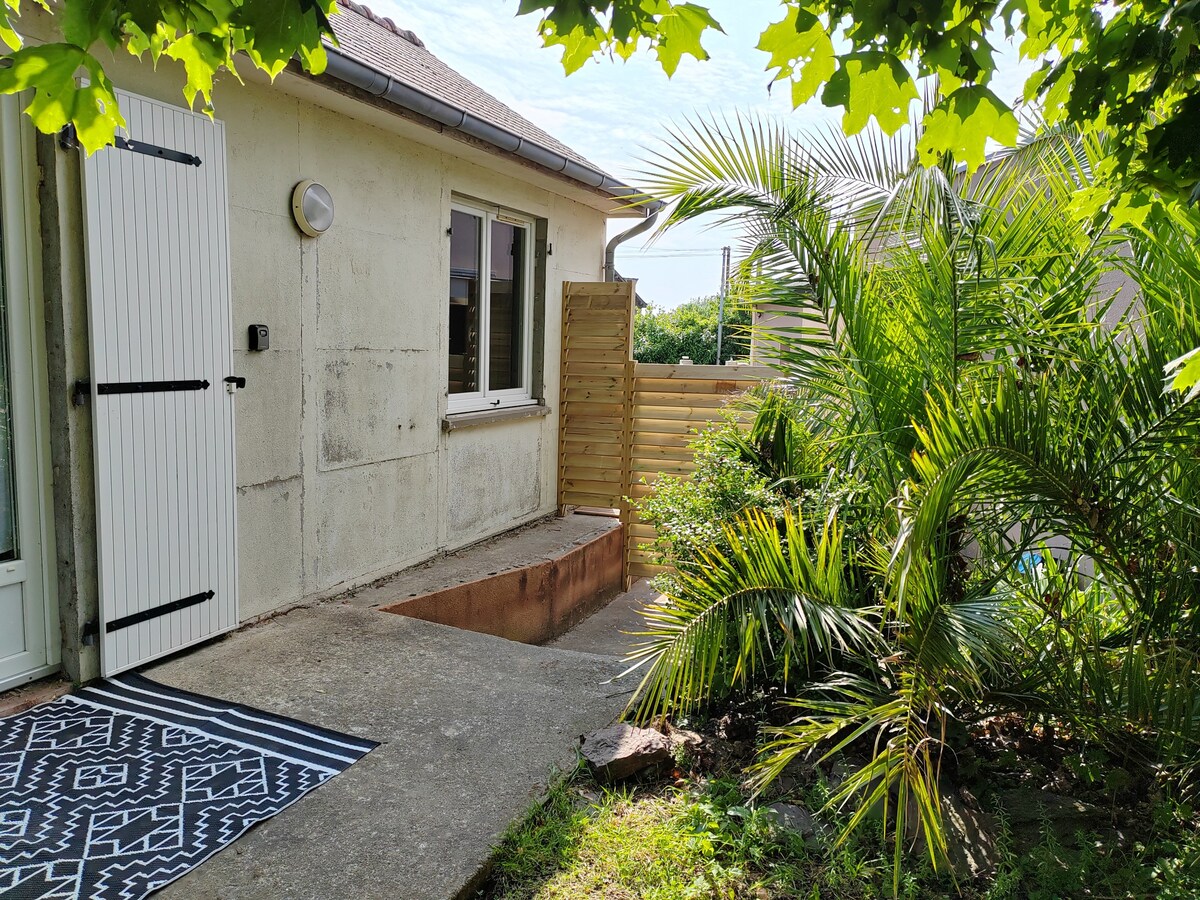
721, 301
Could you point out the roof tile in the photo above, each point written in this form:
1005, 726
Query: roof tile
381, 44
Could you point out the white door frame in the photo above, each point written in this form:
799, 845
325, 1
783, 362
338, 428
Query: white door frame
19, 177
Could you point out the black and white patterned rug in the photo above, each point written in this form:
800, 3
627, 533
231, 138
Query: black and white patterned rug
123, 787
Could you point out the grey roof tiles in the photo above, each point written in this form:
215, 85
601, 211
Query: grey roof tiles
379, 43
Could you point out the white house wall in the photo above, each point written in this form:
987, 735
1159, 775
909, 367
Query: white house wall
344, 472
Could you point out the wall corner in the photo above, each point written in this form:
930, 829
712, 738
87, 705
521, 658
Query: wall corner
64, 290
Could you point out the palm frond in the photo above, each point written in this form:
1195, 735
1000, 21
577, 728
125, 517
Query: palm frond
772, 599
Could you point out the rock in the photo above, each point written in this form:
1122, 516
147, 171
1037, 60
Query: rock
970, 836
970, 833
795, 818
795, 775
1031, 812
622, 750
681, 737
736, 727
1029, 806
842, 769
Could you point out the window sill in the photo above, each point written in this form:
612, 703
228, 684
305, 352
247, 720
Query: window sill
455, 421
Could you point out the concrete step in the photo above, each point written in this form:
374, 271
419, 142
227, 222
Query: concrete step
529, 585
536, 542
27, 696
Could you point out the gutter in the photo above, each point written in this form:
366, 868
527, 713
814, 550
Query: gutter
412, 99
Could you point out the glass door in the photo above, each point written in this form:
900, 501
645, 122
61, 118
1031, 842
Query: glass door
8, 503
28, 646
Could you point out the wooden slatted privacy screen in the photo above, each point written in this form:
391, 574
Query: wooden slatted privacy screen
622, 424
670, 405
594, 412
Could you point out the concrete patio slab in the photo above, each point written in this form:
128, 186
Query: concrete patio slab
472, 729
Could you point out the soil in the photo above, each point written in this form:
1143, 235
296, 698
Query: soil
1029, 776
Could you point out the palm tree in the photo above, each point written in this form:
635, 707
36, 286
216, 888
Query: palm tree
949, 338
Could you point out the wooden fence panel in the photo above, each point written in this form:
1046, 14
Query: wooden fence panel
670, 405
597, 344
623, 424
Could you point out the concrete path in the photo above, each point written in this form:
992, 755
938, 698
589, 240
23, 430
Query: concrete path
611, 631
471, 727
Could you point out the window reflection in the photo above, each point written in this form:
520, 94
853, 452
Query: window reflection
506, 306
465, 265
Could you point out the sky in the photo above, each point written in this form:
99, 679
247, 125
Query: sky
615, 113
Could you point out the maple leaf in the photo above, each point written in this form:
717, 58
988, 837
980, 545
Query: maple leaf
59, 98
961, 124
800, 43
871, 84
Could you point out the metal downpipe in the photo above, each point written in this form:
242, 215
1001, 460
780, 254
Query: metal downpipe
610, 251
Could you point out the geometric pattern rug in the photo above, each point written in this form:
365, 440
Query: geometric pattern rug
116, 790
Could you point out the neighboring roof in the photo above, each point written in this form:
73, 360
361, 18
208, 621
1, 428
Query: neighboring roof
639, 302
407, 74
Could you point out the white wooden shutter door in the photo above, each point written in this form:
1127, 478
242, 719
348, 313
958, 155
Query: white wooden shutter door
158, 282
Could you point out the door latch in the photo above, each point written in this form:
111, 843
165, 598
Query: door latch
234, 383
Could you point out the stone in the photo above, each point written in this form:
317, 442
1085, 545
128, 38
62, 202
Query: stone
970, 836
622, 750
791, 817
681, 737
1031, 812
1028, 806
736, 727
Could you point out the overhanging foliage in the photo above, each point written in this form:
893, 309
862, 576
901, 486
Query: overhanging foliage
1130, 68
204, 36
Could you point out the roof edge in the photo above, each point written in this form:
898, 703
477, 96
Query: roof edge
383, 22
366, 78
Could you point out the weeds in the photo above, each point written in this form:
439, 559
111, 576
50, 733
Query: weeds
706, 840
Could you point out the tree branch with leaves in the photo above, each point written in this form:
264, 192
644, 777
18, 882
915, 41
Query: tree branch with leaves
204, 36
1131, 69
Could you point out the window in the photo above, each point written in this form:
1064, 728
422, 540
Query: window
491, 265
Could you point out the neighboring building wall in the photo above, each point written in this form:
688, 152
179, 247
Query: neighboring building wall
766, 319
344, 471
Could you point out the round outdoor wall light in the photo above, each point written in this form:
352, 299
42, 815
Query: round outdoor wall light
312, 205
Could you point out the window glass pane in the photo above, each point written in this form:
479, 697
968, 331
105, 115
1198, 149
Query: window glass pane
465, 246
8, 506
507, 306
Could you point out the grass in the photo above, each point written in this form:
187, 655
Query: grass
632, 843
701, 840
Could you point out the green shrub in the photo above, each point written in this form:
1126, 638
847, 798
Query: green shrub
690, 329
690, 513
961, 406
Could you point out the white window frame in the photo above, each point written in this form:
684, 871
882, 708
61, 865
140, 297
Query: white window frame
474, 401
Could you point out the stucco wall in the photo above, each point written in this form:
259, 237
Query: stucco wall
344, 471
